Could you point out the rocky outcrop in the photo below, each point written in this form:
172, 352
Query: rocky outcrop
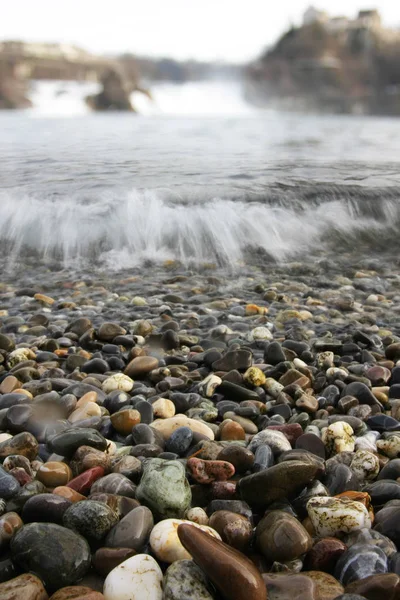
314, 69
115, 94
13, 88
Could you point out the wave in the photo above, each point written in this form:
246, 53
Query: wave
121, 230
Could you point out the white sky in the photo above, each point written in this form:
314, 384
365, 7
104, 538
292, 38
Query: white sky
231, 30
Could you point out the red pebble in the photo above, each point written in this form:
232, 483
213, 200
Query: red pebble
85, 480
20, 475
207, 471
291, 430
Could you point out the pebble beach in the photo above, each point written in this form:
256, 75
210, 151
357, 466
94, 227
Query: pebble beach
197, 433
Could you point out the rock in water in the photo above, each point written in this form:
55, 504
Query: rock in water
60, 557
114, 95
138, 578
184, 580
164, 488
230, 571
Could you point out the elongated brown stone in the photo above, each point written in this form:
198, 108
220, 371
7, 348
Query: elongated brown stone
232, 573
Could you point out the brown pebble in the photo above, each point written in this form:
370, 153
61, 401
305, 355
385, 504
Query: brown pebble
43, 299
140, 366
241, 458
68, 493
327, 586
234, 529
9, 384
86, 398
229, 430
124, 420
24, 587
324, 554
106, 559
283, 586
280, 537
231, 571
54, 474
383, 586
77, 592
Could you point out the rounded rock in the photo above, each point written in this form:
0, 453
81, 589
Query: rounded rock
91, 519
59, 556
137, 578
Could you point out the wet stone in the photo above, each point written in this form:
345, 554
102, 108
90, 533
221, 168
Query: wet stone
53, 474
115, 483
77, 592
234, 529
92, 520
165, 543
359, 562
280, 537
164, 488
180, 441
277, 482
331, 516
59, 556
234, 359
137, 577
311, 443
207, 471
68, 441
282, 586
23, 587
24, 444
106, 559
385, 585
372, 538
241, 458
9, 486
229, 570
324, 555
132, 531
44, 508
186, 581
84, 482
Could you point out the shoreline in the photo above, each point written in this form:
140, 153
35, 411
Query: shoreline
287, 382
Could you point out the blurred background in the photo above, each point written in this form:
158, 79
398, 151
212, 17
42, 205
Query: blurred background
136, 129
172, 57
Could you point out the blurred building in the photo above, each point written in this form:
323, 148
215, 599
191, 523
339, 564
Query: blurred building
367, 21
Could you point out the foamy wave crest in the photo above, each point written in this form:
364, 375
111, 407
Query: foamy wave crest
123, 230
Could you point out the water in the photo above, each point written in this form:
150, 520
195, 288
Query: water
198, 176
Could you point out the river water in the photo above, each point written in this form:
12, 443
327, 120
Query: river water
199, 175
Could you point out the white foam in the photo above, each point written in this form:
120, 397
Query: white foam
138, 225
204, 98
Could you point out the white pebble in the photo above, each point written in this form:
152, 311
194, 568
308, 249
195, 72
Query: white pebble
119, 381
338, 437
138, 578
165, 543
331, 516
